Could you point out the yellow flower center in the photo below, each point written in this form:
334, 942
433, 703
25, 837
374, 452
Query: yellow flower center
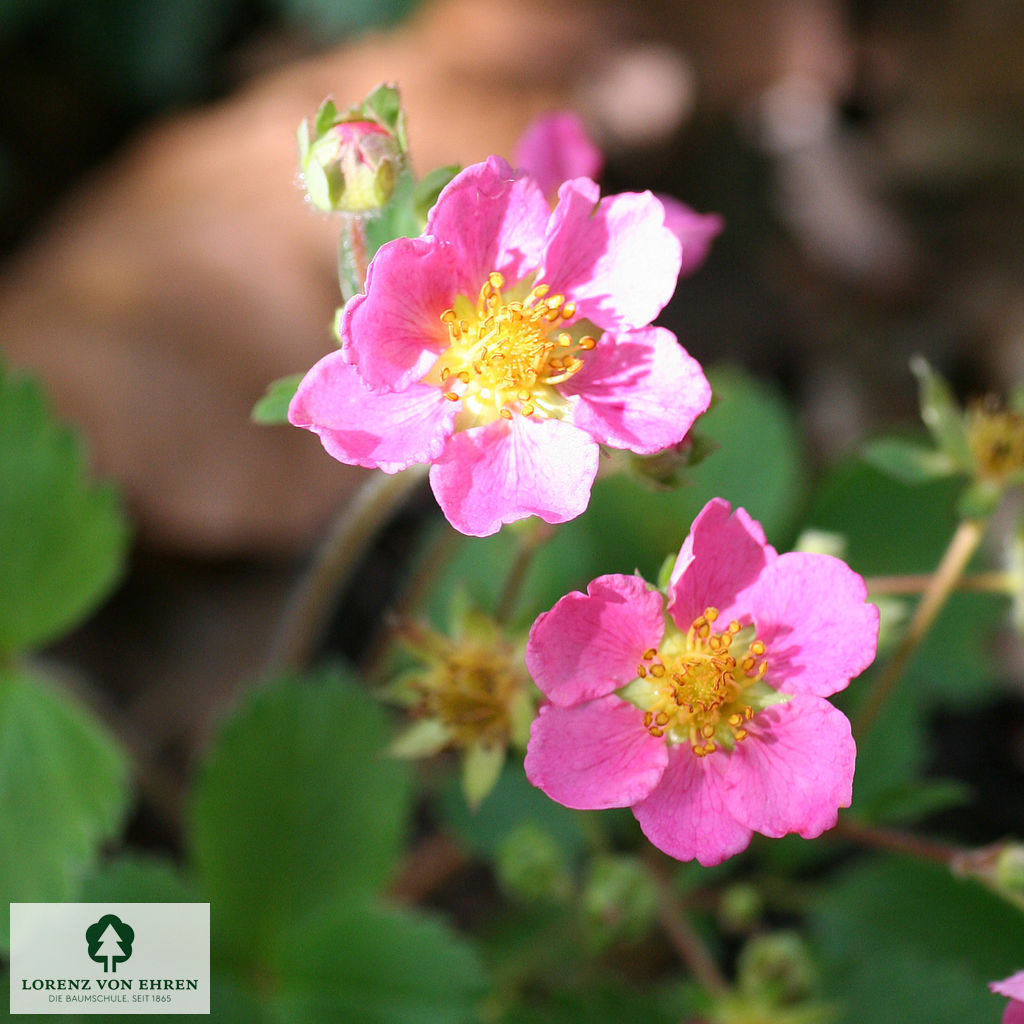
694, 689
506, 355
996, 438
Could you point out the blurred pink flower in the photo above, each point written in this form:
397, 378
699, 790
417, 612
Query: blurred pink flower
1013, 989
505, 344
710, 721
555, 147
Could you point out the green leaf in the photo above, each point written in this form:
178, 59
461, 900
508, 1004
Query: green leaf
63, 539
908, 462
296, 806
272, 408
375, 966
63, 792
136, 878
907, 943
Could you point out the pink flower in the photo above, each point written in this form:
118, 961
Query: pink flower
505, 345
1013, 989
709, 721
556, 147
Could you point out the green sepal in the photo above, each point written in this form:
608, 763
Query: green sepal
384, 105
481, 768
325, 118
428, 188
424, 738
942, 414
272, 408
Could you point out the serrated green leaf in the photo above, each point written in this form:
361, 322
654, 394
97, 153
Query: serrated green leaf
63, 792
375, 966
272, 408
296, 806
908, 462
63, 539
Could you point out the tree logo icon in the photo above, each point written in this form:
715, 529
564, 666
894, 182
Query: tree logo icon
110, 941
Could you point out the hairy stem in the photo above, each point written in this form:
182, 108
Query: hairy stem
894, 841
313, 600
352, 261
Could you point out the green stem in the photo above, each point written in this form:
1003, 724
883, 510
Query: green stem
962, 546
352, 261
311, 604
685, 939
535, 535
894, 841
996, 582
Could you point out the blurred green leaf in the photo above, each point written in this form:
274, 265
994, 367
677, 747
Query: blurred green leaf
272, 408
428, 188
397, 220
63, 539
135, 878
513, 802
63, 792
911, 801
331, 19
906, 461
296, 806
356, 962
907, 943
895, 529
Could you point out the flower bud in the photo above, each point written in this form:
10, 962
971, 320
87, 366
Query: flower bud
350, 161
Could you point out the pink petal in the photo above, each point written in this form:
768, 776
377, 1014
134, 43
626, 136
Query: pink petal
687, 815
794, 770
1014, 1013
590, 644
380, 430
1012, 987
555, 148
718, 564
394, 332
507, 470
639, 391
595, 755
613, 257
695, 231
492, 220
810, 612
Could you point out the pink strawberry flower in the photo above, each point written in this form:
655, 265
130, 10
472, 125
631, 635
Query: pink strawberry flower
505, 345
705, 714
1013, 989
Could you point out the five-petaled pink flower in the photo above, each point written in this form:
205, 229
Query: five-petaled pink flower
505, 345
1013, 989
707, 716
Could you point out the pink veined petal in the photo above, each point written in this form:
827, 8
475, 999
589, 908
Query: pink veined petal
810, 612
613, 257
695, 231
595, 755
493, 219
394, 332
380, 430
510, 469
687, 816
555, 148
589, 645
1011, 987
794, 770
639, 391
718, 564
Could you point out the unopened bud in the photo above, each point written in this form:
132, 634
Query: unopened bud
351, 160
